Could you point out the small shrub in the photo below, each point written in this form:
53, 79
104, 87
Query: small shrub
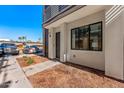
30, 61
25, 58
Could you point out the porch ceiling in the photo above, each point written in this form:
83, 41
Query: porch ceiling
82, 12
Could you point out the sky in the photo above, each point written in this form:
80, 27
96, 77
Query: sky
23, 20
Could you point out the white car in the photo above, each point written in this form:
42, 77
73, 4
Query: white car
9, 48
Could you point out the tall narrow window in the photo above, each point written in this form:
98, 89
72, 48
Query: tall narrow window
84, 38
96, 37
75, 39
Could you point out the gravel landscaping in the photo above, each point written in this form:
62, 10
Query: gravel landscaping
30, 60
73, 76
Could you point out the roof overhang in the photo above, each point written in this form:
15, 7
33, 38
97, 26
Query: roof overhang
80, 13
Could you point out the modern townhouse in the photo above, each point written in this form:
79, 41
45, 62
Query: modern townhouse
89, 35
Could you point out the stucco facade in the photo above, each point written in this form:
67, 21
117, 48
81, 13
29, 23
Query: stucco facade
111, 58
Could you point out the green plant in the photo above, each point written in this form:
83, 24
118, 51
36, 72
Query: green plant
25, 58
30, 61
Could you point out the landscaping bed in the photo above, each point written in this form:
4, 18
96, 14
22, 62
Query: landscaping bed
30, 60
72, 76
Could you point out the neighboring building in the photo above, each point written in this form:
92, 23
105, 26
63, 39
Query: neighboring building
5, 40
89, 35
22, 44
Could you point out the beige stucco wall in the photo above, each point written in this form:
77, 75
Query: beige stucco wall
63, 42
110, 59
51, 43
94, 59
114, 44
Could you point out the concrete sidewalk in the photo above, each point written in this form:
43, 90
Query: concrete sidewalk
11, 75
33, 69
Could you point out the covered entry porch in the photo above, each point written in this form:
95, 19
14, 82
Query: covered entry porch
110, 59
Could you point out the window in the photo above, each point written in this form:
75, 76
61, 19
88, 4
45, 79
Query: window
80, 38
75, 38
84, 37
96, 36
87, 37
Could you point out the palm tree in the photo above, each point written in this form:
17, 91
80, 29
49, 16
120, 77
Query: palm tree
20, 39
39, 39
25, 39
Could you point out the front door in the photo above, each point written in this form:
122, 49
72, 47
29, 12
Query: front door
58, 45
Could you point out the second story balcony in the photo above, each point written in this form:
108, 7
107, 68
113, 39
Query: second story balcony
51, 11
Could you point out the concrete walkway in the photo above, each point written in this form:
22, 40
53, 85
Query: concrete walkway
11, 75
33, 69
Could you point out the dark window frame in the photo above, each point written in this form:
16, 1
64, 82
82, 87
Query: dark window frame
89, 37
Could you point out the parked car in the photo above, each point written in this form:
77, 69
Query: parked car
9, 48
31, 50
1, 50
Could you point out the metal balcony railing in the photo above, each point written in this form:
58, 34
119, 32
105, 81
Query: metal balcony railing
52, 10
61, 7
